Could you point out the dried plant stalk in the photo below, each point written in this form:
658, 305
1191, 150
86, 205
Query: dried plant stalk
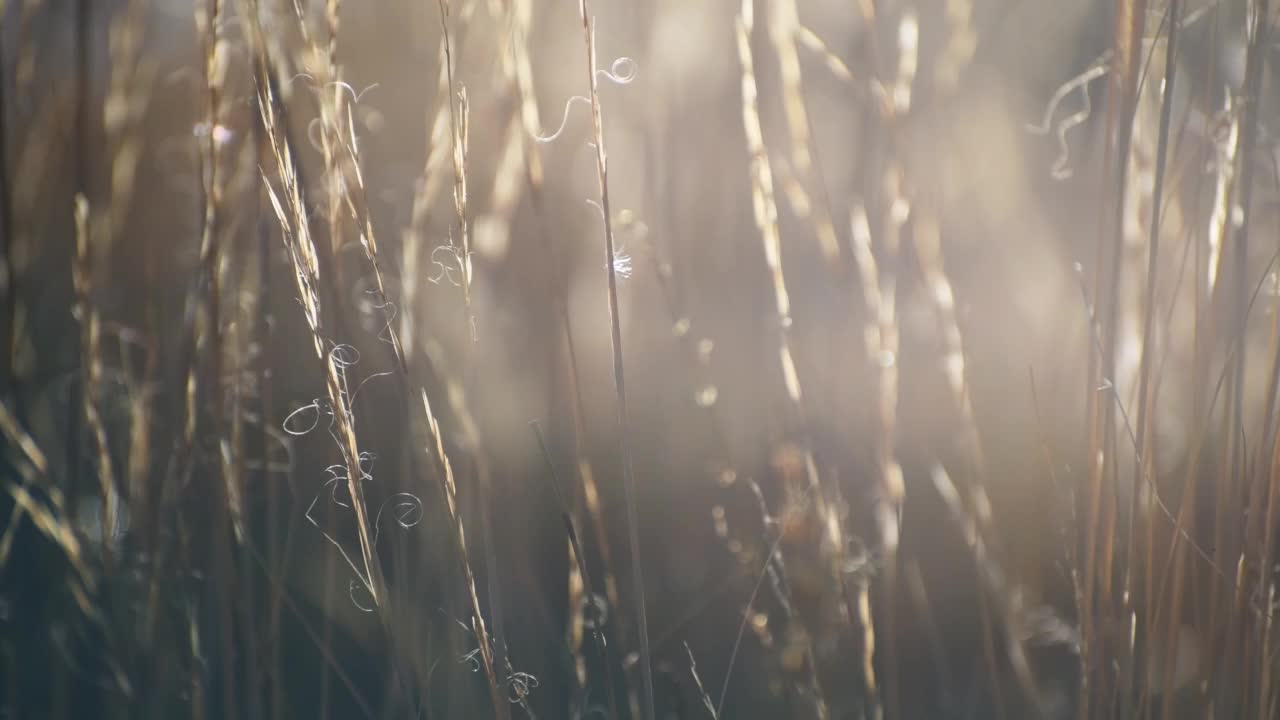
91, 353
619, 376
784, 31
292, 214
766, 218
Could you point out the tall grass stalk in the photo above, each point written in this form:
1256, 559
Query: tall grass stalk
766, 219
619, 376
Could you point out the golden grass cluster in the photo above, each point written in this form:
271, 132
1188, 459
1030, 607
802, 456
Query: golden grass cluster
781, 358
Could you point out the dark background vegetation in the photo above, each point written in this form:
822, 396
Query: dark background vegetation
178, 534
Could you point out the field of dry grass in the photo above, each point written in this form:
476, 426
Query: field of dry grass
597, 359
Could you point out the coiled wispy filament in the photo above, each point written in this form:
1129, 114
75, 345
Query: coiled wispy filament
621, 72
291, 212
1060, 170
623, 265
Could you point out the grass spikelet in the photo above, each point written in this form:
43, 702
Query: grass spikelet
251, 309
293, 218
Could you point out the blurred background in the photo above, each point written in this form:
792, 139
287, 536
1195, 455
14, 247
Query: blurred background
181, 539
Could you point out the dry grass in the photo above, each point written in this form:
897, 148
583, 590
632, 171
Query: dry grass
930, 366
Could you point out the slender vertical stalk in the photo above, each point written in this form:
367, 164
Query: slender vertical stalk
1259, 44
619, 376
1142, 466
91, 374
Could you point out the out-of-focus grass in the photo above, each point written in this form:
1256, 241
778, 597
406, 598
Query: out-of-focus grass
898, 358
